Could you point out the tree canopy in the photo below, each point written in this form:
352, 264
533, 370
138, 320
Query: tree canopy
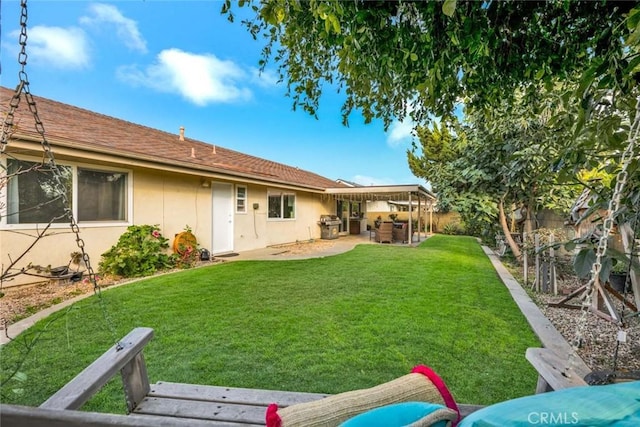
549, 87
495, 162
390, 57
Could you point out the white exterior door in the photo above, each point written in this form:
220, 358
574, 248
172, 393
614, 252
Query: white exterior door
222, 218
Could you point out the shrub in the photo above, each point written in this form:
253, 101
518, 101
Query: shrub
452, 228
140, 251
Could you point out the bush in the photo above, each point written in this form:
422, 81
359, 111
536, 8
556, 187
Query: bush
453, 228
140, 251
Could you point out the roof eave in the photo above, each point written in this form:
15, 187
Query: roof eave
145, 160
416, 189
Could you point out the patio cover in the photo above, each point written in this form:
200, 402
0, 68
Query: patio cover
408, 193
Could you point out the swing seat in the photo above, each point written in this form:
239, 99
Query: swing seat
175, 404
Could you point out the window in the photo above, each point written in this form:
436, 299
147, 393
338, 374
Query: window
102, 195
32, 195
241, 199
282, 205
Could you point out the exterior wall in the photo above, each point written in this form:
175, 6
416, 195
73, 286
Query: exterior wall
400, 216
254, 230
382, 209
172, 201
54, 249
379, 207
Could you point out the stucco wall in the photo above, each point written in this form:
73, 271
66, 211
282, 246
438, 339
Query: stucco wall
172, 201
54, 249
254, 230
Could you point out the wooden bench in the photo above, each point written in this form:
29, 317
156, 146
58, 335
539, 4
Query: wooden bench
152, 405
556, 372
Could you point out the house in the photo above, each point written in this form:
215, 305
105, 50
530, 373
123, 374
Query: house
119, 173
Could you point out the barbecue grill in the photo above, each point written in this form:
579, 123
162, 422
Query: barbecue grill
329, 226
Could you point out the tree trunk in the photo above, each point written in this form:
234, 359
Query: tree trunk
528, 222
507, 233
531, 223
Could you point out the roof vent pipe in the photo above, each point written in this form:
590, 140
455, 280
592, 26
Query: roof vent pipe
181, 133
193, 152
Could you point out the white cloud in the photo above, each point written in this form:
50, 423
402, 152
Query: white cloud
400, 132
58, 47
126, 28
202, 79
266, 78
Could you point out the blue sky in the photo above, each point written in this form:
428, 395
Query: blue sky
167, 64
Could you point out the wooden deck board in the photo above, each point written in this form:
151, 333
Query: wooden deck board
27, 416
243, 406
80, 389
552, 369
245, 396
202, 410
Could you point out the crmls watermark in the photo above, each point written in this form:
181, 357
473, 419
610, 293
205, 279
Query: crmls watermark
553, 418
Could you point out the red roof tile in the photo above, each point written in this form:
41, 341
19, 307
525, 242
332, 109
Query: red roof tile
66, 124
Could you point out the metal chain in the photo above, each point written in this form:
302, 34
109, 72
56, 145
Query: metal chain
7, 124
23, 88
607, 226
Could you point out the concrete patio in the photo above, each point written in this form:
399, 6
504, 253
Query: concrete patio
316, 248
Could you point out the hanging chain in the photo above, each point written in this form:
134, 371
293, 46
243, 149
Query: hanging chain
607, 226
61, 189
7, 124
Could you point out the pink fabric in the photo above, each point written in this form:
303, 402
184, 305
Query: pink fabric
441, 386
272, 418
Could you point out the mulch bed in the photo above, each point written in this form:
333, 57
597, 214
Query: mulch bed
23, 301
600, 337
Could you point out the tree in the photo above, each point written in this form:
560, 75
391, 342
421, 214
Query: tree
391, 57
502, 158
439, 149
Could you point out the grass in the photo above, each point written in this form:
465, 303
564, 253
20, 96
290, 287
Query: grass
325, 325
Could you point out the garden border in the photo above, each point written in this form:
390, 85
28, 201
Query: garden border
549, 361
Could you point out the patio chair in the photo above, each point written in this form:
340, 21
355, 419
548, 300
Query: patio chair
384, 233
401, 232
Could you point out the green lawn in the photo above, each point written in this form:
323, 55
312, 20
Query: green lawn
320, 325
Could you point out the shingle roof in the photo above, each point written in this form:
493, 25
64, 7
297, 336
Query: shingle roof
65, 125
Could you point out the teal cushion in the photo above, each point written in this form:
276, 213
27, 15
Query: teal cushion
395, 415
614, 405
